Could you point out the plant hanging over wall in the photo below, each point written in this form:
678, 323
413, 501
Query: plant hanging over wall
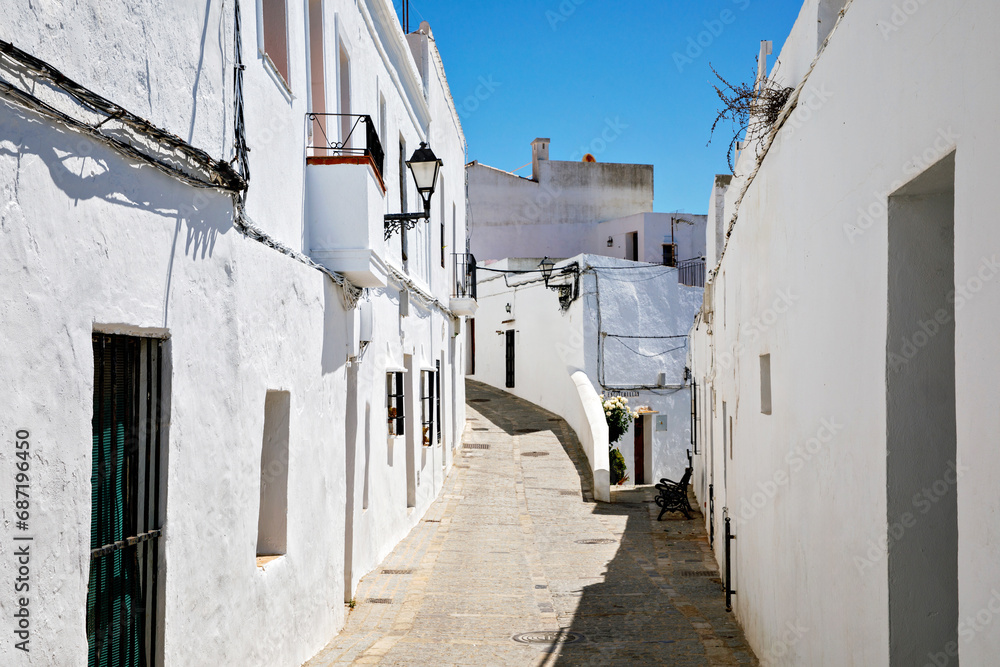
752, 108
619, 418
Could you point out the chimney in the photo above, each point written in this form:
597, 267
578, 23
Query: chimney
539, 152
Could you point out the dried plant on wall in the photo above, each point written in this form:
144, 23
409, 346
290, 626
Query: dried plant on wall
752, 108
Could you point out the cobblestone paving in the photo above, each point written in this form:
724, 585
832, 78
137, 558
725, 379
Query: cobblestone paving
516, 544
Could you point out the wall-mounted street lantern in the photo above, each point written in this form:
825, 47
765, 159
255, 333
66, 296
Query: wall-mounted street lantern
611, 242
546, 265
568, 291
424, 166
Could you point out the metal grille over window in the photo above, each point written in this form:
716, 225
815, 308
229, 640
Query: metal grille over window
394, 401
125, 528
427, 406
464, 276
437, 394
669, 254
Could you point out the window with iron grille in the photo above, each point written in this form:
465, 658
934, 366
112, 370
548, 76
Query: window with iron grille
437, 394
395, 394
427, 407
669, 254
125, 524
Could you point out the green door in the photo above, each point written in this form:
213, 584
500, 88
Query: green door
124, 526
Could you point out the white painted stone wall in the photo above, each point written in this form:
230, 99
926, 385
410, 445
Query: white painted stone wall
572, 208
804, 278
655, 230
93, 242
618, 297
554, 213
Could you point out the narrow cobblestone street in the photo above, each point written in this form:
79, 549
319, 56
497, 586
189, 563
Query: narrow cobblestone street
516, 544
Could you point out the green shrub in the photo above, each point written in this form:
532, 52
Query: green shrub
618, 475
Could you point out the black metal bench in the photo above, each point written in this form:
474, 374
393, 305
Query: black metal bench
673, 497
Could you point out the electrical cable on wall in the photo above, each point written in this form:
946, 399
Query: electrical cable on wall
109, 123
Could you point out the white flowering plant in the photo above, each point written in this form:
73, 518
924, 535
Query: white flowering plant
618, 415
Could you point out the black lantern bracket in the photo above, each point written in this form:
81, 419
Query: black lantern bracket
568, 291
395, 222
424, 167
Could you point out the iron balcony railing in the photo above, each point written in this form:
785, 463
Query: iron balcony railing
464, 280
322, 145
691, 272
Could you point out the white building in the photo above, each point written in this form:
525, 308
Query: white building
600, 325
570, 208
636, 279
845, 352
190, 360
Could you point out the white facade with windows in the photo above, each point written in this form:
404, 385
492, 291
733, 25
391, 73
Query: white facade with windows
620, 329
846, 350
640, 277
569, 208
280, 484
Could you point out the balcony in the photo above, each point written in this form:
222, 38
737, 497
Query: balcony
691, 272
345, 197
463, 291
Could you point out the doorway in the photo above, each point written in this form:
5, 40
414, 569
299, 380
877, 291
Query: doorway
921, 434
317, 75
510, 358
639, 452
127, 508
632, 246
344, 63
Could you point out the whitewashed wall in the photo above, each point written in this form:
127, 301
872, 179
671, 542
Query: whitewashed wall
552, 215
93, 242
620, 297
804, 278
654, 230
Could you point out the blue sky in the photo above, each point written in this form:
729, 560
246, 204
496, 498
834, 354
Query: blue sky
625, 80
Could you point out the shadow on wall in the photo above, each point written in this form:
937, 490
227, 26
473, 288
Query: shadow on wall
84, 169
335, 331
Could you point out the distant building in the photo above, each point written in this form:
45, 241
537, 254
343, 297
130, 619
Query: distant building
569, 208
612, 319
598, 325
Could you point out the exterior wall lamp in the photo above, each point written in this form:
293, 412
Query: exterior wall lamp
611, 242
568, 291
424, 166
546, 265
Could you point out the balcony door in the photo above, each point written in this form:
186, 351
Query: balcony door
344, 106
317, 76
